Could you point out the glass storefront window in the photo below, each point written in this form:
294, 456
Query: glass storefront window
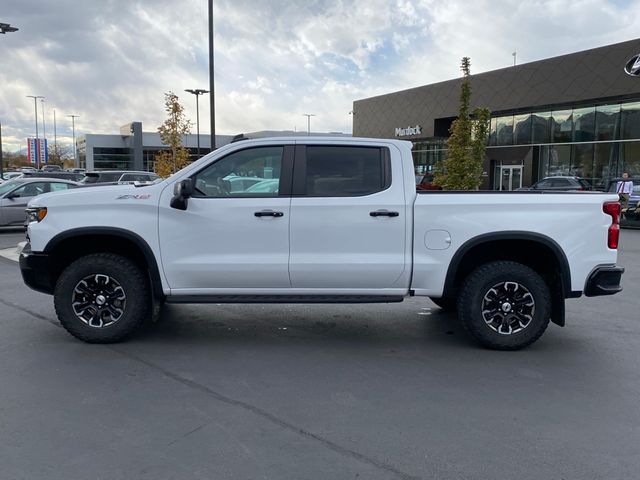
522, 129
605, 165
607, 122
504, 128
493, 132
582, 161
630, 120
562, 123
541, 127
630, 159
584, 121
559, 160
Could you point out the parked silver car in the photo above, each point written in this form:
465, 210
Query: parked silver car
15, 195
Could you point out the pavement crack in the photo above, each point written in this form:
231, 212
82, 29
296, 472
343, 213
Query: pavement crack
29, 312
347, 452
188, 433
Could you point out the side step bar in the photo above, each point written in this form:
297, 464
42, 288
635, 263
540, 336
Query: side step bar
284, 299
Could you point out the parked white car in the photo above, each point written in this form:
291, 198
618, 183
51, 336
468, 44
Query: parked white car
344, 225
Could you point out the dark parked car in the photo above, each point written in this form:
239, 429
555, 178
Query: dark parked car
15, 194
51, 168
118, 177
560, 184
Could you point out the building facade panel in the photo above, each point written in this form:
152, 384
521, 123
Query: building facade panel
579, 114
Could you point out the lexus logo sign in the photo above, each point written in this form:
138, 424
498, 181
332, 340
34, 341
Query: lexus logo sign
633, 66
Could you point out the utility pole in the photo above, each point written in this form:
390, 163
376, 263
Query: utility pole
308, 115
212, 97
514, 58
73, 125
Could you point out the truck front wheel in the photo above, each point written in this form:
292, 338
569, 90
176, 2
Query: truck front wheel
102, 298
505, 305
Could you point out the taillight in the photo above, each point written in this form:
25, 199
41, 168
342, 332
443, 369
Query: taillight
613, 209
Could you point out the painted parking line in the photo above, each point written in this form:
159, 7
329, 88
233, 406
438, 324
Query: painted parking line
12, 253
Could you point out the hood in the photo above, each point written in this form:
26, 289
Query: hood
99, 195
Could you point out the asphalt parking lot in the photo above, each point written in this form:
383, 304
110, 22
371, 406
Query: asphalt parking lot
319, 392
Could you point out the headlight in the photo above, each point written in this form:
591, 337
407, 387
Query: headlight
36, 214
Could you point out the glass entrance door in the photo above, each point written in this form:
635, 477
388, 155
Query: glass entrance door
510, 177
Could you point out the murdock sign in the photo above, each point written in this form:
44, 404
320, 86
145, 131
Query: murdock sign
405, 132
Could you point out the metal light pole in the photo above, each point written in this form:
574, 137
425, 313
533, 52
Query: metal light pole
1, 160
35, 106
44, 127
197, 92
308, 115
6, 28
55, 136
212, 97
73, 125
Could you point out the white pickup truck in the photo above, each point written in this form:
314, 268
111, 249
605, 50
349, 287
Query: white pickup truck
318, 220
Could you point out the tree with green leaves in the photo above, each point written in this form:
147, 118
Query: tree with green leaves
462, 169
172, 131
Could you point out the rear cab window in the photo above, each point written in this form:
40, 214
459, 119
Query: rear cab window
341, 171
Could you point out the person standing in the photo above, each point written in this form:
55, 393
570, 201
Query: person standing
624, 188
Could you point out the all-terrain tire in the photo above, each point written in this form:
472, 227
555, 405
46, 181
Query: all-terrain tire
498, 298
125, 292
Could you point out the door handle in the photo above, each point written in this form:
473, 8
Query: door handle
268, 213
383, 213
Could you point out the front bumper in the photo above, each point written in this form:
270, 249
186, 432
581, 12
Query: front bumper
604, 281
36, 270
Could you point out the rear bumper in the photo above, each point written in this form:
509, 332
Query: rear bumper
36, 270
604, 281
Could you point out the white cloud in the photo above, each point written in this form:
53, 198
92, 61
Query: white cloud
111, 62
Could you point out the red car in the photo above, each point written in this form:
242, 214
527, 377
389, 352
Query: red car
427, 183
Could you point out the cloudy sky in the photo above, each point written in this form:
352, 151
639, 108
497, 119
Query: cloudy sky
110, 61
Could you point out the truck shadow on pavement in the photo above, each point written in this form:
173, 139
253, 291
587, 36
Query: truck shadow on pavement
303, 324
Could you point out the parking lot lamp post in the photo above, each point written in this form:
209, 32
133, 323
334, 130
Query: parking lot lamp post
55, 136
44, 126
1, 160
73, 126
35, 107
212, 96
197, 92
308, 115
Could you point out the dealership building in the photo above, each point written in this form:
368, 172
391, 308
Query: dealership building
133, 149
576, 114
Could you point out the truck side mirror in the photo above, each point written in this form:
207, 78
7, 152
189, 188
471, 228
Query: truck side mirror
181, 193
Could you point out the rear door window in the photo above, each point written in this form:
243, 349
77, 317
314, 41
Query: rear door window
342, 171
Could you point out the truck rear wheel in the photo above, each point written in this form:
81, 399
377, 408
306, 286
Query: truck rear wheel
505, 305
102, 298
